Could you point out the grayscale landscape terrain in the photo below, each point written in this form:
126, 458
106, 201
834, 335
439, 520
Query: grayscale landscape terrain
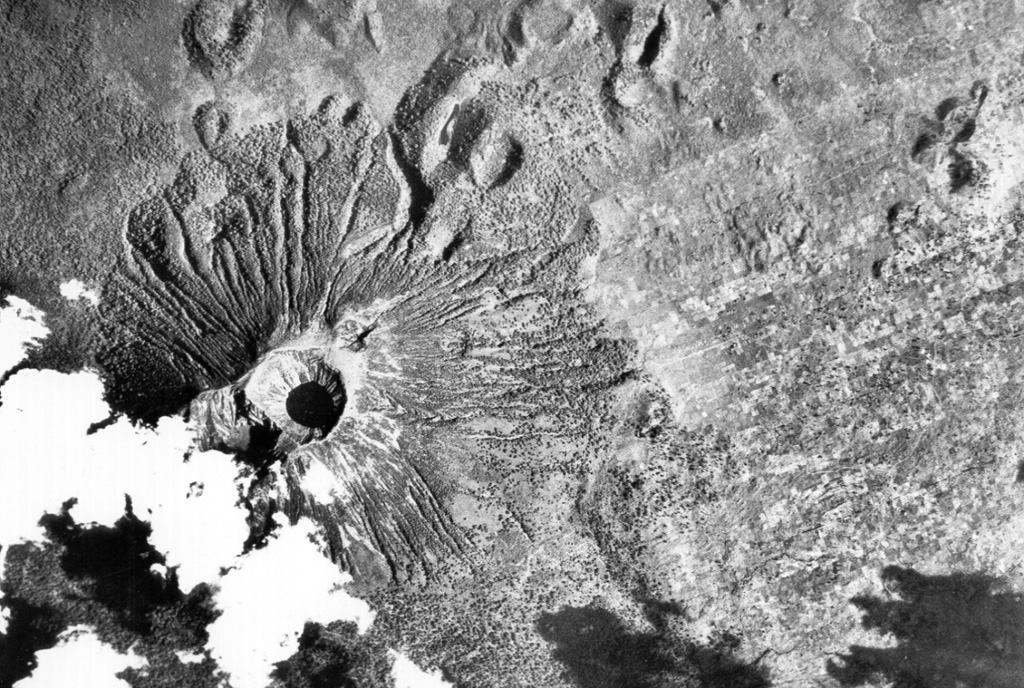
539, 343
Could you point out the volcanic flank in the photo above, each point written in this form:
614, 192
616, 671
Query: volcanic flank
345, 297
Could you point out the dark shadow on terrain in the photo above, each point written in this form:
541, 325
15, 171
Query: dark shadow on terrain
335, 656
954, 631
116, 562
148, 407
653, 43
598, 651
99, 577
30, 629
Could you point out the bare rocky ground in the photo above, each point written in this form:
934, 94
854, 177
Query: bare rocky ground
666, 344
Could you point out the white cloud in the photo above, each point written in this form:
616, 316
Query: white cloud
191, 505
189, 657
74, 289
268, 599
406, 674
319, 482
79, 659
21, 328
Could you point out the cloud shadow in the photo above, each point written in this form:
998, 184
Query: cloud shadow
955, 631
